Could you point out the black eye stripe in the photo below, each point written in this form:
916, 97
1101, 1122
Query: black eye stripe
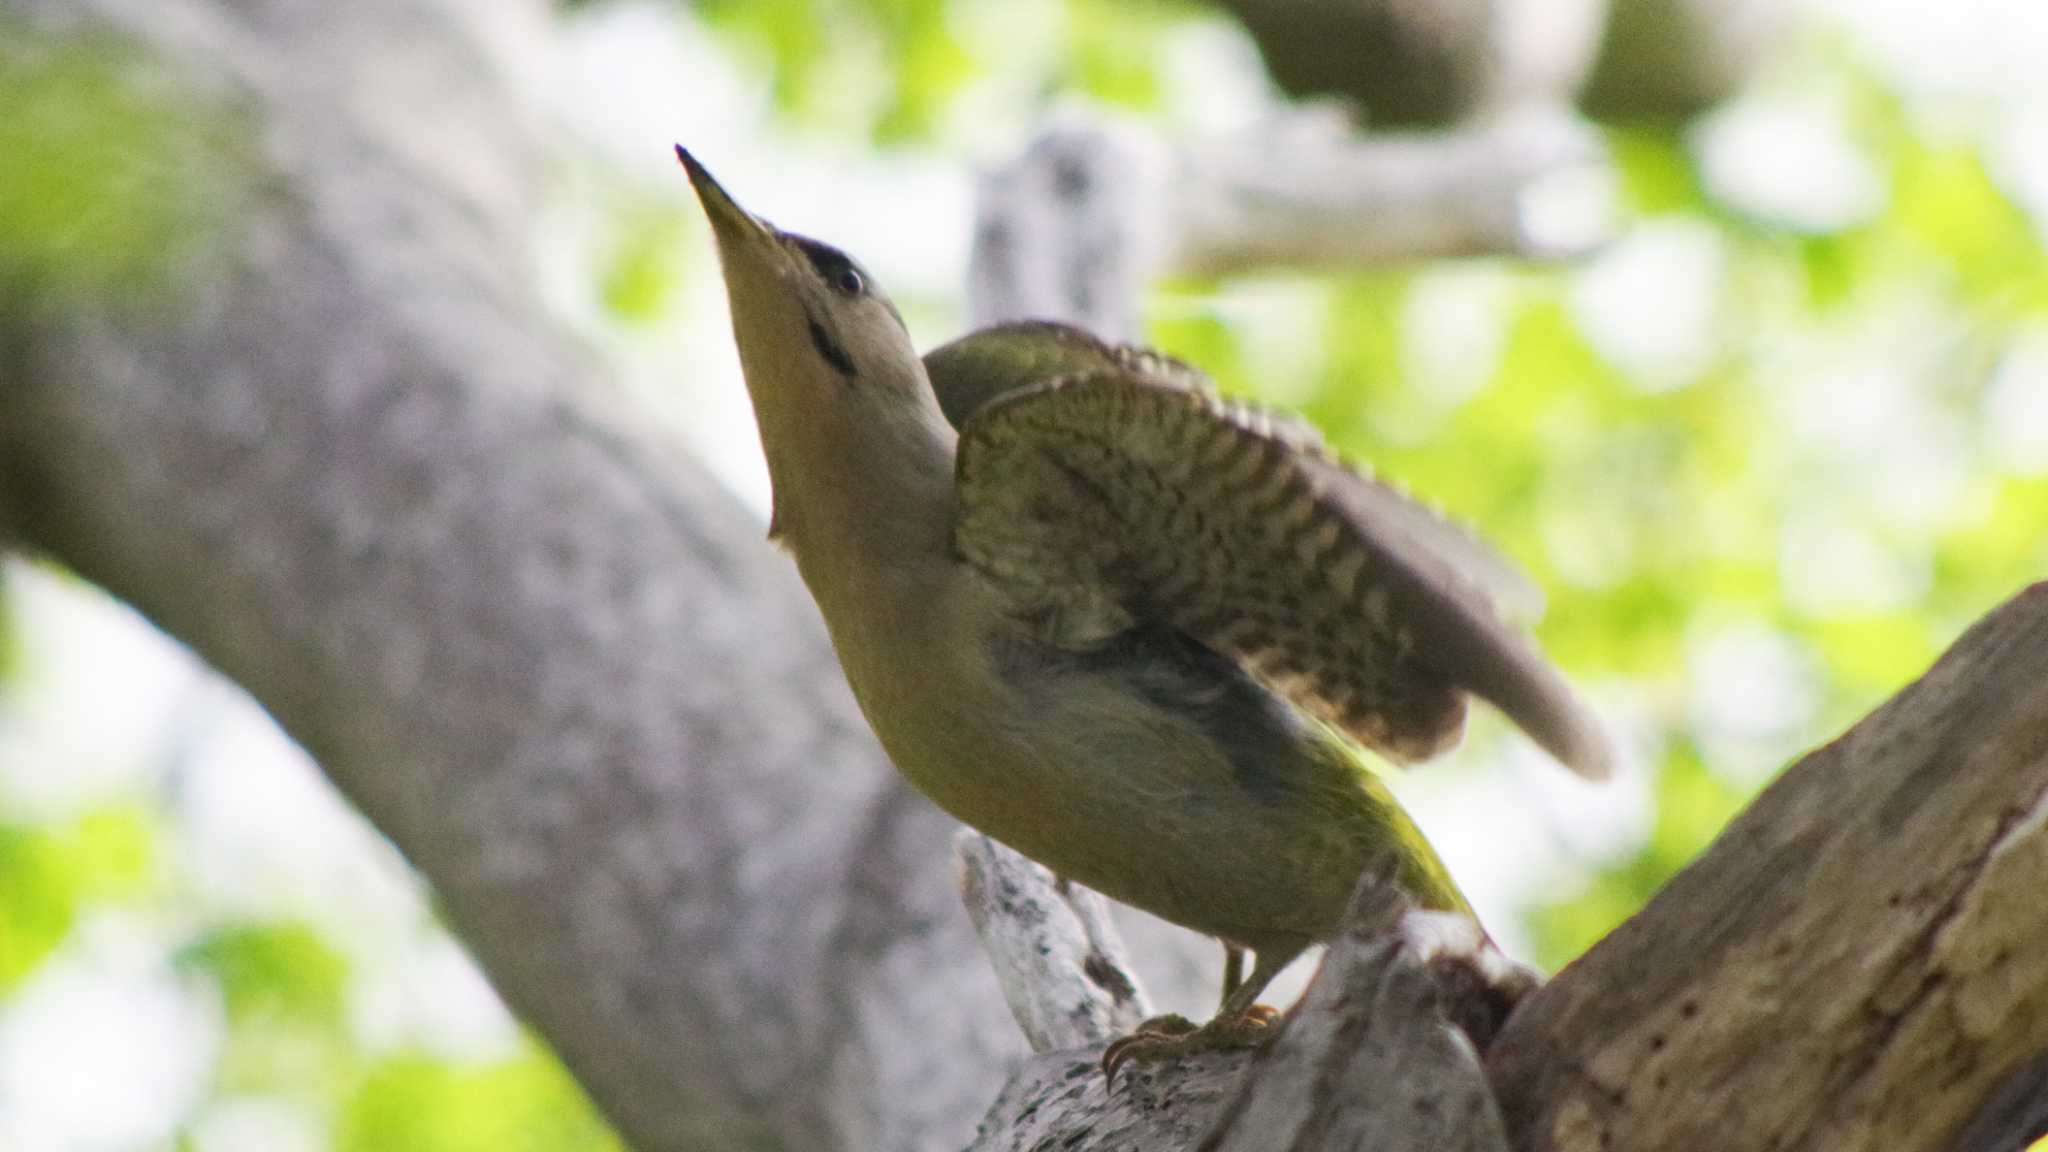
832, 266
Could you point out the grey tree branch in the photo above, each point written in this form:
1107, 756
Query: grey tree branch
1300, 195
1859, 962
1369, 1059
1413, 63
1057, 953
1093, 211
1433, 63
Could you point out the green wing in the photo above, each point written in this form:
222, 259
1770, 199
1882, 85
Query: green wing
1107, 496
991, 362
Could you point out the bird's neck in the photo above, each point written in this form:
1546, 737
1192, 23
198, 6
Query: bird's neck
869, 516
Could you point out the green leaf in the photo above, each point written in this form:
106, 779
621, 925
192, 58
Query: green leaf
1946, 203
286, 994
50, 875
39, 896
419, 1104
646, 260
1657, 174
276, 969
885, 68
1106, 55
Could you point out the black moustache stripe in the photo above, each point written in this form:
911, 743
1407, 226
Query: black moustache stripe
833, 353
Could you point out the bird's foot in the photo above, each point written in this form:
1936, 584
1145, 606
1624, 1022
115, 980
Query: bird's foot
1171, 1037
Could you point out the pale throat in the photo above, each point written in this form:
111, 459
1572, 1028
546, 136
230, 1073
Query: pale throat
866, 504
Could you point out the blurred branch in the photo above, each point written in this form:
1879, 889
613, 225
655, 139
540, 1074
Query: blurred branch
1433, 63
345, 456
1665, 61
1859, 962
1095, 211
1409, 64
1304, 196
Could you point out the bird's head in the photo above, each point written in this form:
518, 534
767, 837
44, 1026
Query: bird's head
842, 400
822, 348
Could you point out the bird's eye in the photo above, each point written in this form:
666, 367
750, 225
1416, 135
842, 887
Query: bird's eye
834, 267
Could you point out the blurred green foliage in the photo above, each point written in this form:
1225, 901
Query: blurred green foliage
642, 266
421, 1104
51, 872
284, 990
114, 174
887, 70
1656, 509
815, 50
278, 970
1692, 805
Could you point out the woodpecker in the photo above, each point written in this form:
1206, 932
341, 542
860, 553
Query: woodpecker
1133, 629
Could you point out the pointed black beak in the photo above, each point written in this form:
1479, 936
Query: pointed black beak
731, 222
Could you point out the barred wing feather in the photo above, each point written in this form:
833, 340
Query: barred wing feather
1104, 497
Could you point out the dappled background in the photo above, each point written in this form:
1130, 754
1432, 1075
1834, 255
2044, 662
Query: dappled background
1768, 450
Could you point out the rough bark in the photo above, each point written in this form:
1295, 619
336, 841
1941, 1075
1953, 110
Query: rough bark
1368, 1061
1055, 949
1371, 1061
1860, 961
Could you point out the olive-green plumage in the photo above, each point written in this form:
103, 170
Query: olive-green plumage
1115, 620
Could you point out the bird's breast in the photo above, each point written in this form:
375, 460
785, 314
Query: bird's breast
1148, 769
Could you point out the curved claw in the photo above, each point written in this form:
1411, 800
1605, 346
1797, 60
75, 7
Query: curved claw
1157, 1030
1168, 1037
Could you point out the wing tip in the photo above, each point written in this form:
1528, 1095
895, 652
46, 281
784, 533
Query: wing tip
1574, 737
1534, 694
1592, 760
